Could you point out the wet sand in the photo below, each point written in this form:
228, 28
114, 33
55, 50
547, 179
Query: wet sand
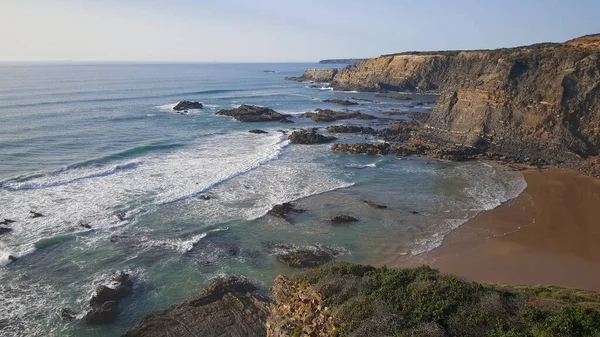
549, 235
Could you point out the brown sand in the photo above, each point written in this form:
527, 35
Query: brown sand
549, 235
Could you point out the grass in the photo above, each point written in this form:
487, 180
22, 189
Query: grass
368, 301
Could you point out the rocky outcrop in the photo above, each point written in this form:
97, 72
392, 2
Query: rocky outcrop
351, 129
104, 305
340, 101
187, 105
309, 136
257, 131
229, 306
327, 115
538, 103
315, 75
253, 113
399, 131
305, 258
363, 148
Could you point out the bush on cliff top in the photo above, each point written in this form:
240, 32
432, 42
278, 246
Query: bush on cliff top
368, 301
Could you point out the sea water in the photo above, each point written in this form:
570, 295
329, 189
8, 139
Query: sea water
81, 143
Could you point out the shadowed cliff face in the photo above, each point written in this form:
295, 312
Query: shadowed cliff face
540, 102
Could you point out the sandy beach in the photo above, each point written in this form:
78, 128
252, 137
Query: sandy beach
548, 236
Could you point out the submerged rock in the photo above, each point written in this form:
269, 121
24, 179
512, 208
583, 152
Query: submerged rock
282, 210
104, 305
374, 205
4, 230
340, 101
309, 136
305, 258
342, 218
228, 306
256, 131
187, 105
7, 221
253, 113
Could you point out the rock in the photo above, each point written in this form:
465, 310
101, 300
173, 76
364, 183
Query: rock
104, 305
282, 210
67, 314
305, 258
374, 205
187, 105
362, 99
4, 230
327, 115
253, 113
256, 131
309, 137
12, 258
340, 101
315, 75
7, 221
365, 117
36, 214
268, 71
85, 225
204, 197
351, 129
399, 131
363, 148
342, 218
121, 216
228, 306
414, 213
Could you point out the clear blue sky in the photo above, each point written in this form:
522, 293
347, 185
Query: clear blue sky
278, 31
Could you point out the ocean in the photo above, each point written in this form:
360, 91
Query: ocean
81, 143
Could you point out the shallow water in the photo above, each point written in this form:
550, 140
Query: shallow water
80, 143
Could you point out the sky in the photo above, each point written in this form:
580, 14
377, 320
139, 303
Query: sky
278, 31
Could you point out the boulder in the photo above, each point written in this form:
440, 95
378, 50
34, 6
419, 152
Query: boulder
253, 113
187, 105
309, 136
342, 218
340, 101
7, 221
4, 230
104, 305
363, 148
36, 214
351, 129
256, 131
282, 210
228, 306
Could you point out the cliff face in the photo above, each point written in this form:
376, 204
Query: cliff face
315, 75
540, 102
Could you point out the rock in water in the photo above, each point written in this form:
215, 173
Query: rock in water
305, 258
228, 306
256, 131
328, 115
374, 205
36, 214
4, 230
351, 129
253, 113
187, 105
7, 221
363, 148
282, 210
340, 101
309, 137
342, 218
315, 75
104, 305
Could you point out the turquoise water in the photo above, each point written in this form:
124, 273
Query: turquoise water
80, 143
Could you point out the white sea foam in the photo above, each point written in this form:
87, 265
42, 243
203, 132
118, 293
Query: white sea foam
94, 194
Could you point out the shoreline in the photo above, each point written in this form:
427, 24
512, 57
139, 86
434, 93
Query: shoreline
545, 236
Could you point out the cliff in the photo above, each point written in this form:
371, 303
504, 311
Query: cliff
315, 75
342, 299
536, 103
